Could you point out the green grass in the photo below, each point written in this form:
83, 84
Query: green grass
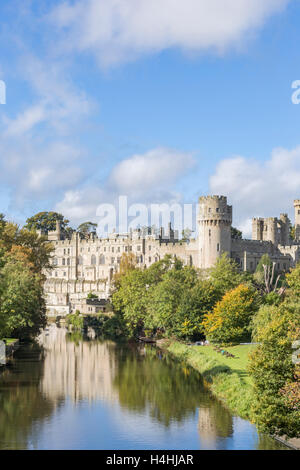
227, 378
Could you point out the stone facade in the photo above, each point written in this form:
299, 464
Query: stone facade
83, 265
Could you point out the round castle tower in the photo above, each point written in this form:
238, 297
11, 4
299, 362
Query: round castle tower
214, 224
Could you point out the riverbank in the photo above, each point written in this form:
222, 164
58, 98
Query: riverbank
227, 378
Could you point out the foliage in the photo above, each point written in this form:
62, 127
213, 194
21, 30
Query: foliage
22, 308
92, 296
273, 371
86, 227
293, 282
76, 320
225, 274
236, 234
46, 221
230, 320
23, 257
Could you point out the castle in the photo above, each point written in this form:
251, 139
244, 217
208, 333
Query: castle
87, 264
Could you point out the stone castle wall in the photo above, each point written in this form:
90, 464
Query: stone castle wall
83, 265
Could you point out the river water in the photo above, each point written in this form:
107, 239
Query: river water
71, 392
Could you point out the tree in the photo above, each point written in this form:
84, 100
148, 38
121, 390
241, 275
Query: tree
230, 320
225, 274
46, 221
236, 234
194, 304
186, 234
127, 264
293, 282
22, 308
130, 300
276, 380
86, 228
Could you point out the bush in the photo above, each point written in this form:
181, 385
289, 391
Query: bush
230, 320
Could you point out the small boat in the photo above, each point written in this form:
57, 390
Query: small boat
147, 340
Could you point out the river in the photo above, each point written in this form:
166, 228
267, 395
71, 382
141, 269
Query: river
72, 392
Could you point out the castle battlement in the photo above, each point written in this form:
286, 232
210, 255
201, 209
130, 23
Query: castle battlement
87, 264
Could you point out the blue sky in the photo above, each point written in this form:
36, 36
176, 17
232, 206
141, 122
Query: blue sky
103, 94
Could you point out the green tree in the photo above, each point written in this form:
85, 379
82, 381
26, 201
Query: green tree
236, 234
86, 228
194, 304
46, 221
230, 320
225, 274
22, 309
273, 371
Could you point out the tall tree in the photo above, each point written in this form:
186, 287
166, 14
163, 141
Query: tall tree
46, 221
86, 228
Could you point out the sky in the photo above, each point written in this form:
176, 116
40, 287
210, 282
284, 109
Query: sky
162, 101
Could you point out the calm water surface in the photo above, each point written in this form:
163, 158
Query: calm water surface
70, 392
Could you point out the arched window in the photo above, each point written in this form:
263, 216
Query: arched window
63, 261
101, 259
79, 259
68, 261
93, 259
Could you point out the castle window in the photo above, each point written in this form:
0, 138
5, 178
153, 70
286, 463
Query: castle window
126, 248
93, 259
112, 260
112, 250
102, 259
209, 232
118, 260
54, 262
63, 261
149, 247
65, 273
138, 248
218, 246
68, 261
118, 249
298, 212
68, 251
79, 259
217, 210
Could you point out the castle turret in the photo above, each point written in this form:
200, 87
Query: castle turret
284, 229
297, 219
55, 234
214, 222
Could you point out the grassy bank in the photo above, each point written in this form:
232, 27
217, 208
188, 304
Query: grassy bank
227, 377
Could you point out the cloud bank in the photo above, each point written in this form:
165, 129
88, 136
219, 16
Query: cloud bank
118, 31
258, 188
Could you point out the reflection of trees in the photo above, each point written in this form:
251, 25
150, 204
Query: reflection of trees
170, 390
21, 401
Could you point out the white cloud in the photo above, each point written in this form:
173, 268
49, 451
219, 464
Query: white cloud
259, 188
154, 170
145, 178
119, 31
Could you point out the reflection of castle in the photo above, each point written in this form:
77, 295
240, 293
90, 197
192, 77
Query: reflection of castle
81, 372
83, 265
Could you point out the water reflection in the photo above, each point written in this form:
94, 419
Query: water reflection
115, 395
